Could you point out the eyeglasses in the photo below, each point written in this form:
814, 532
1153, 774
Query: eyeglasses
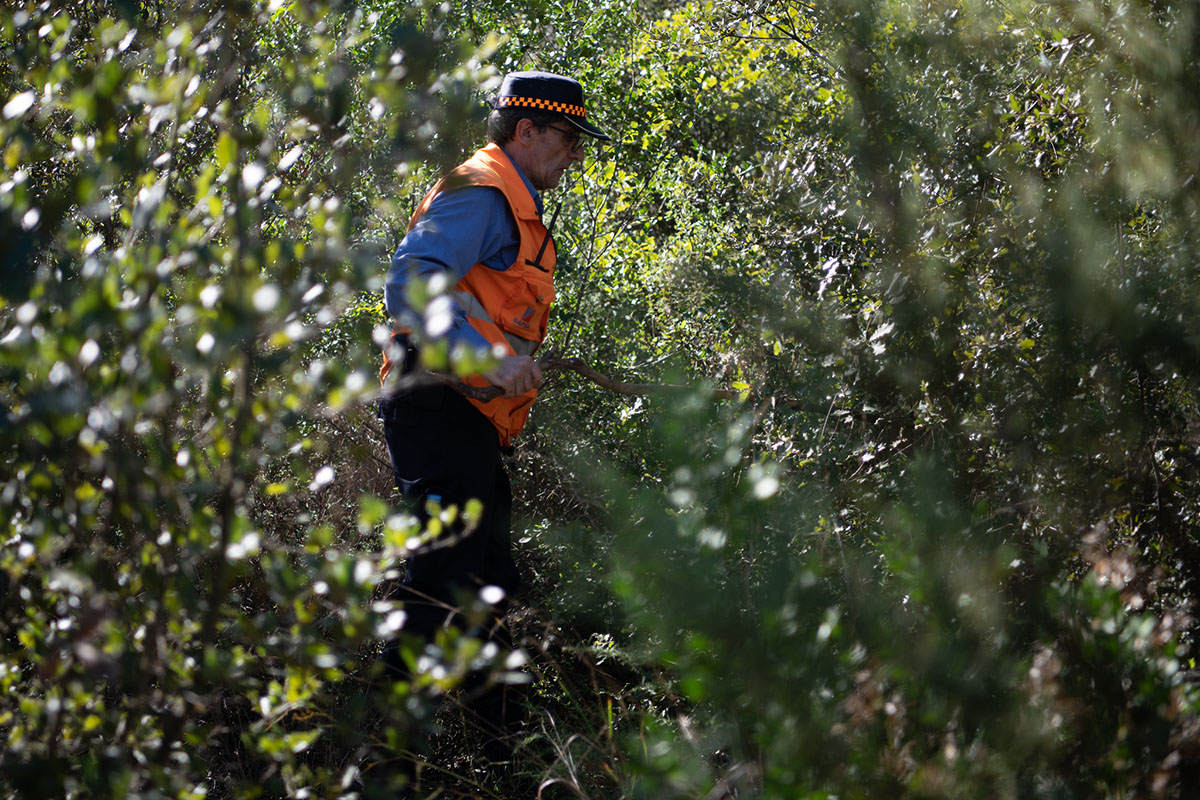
577, 143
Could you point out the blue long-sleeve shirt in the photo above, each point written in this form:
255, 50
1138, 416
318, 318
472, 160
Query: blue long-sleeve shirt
461, 228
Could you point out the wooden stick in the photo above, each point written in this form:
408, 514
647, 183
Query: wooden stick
486, 393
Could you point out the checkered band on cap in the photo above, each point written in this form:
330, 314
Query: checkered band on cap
547, 105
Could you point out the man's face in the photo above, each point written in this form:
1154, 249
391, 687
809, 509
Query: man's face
552, 151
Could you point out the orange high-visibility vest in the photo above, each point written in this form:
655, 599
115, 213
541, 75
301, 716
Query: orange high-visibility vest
510, 308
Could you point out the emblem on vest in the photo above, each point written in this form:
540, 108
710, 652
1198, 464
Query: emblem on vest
523, 320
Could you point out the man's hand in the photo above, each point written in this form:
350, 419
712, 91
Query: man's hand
516, 375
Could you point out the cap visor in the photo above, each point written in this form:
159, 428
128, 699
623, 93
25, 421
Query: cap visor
589, 129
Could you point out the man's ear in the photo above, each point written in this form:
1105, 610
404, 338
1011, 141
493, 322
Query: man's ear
524, 131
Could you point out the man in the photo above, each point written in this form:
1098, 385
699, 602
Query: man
480, 227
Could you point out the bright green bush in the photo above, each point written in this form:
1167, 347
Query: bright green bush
935, 229
193, 194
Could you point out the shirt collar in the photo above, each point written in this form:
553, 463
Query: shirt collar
537, 197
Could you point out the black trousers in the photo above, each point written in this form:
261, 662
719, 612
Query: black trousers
440, 445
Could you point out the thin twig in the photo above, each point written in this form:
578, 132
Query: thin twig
486, 393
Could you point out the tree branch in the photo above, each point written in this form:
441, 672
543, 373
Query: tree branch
577, 365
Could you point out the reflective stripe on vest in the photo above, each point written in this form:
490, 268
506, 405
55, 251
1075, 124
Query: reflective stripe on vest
508, 308
475, 310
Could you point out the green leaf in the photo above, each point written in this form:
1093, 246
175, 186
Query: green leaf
226, 150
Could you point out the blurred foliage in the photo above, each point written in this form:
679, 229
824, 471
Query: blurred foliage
193, 196
961, 237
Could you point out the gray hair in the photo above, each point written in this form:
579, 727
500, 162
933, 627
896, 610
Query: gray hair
502, 122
